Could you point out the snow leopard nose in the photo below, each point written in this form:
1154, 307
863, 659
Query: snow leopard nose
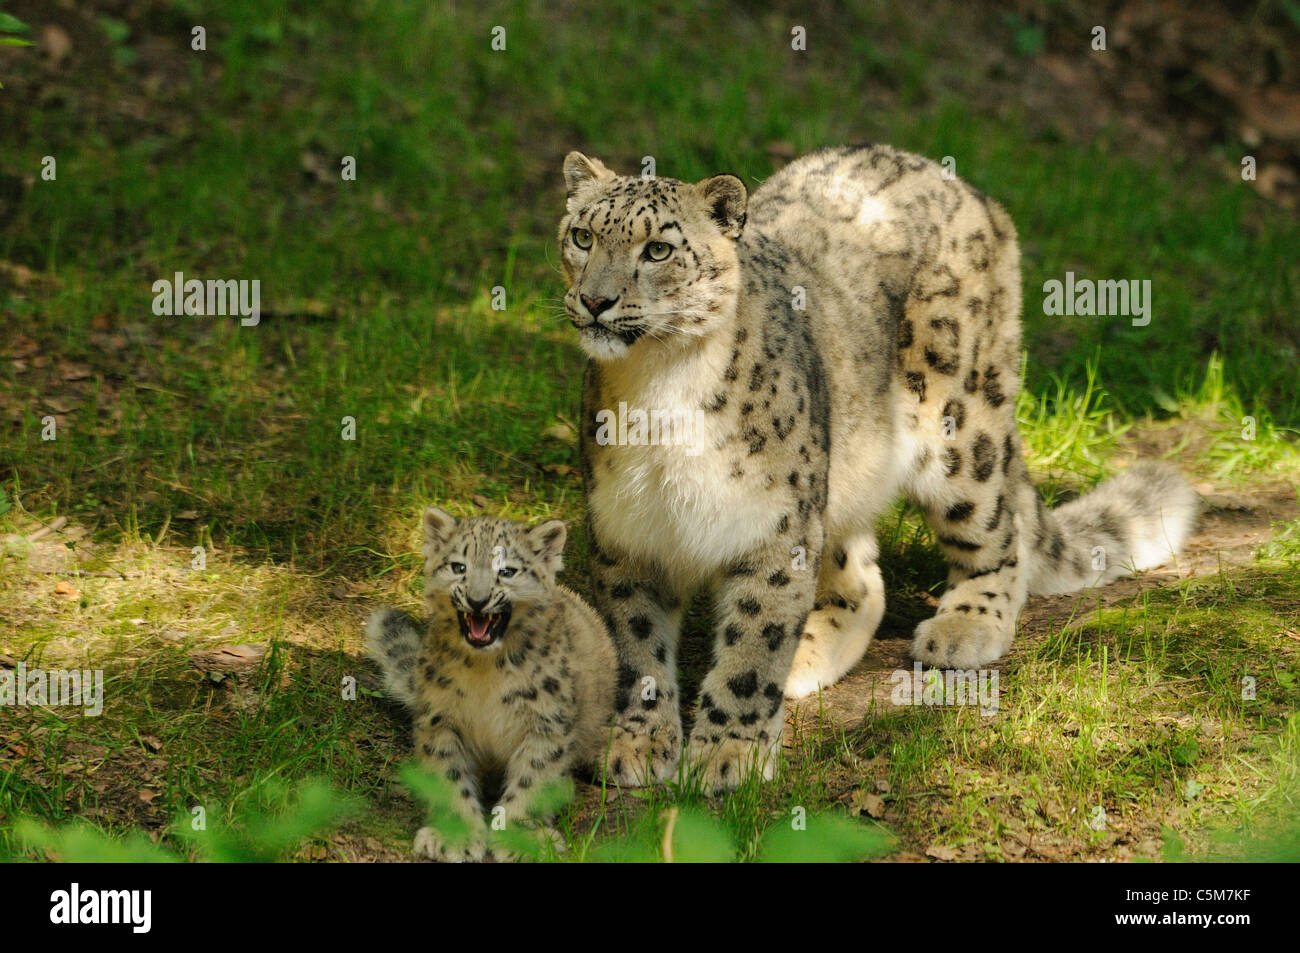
597, 306
476, 605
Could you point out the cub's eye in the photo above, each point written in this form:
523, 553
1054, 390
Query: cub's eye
581, 237
505, 572
457, 568
658, 251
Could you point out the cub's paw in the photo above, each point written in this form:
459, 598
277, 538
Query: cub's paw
958, 640
723, 765
524, 839
431, 845
637, 759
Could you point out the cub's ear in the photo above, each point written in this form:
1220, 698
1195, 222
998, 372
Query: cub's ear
547, 541
725, 199
438, 527
580, 171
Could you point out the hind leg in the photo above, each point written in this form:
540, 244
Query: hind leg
850, 604
971, 501
960, 353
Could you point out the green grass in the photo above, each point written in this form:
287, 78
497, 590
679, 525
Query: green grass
1137, 709
182, 432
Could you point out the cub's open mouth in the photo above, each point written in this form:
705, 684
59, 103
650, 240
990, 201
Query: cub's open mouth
482, 629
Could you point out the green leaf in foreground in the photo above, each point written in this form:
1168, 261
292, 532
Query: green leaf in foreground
80, 843
263, 835
11, 24
825, 839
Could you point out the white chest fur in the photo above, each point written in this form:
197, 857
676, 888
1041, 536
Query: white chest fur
677, 505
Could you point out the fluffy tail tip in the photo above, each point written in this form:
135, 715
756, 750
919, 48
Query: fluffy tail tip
393, 640
1165, 509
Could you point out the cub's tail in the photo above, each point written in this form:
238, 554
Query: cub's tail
393, 640
1135, 520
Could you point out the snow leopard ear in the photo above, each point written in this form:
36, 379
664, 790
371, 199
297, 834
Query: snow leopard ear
580, 171
725, 199
438, 527
547, 541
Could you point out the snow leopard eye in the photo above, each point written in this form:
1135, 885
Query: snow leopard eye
457, 568
505, 572
658, 251
582, 238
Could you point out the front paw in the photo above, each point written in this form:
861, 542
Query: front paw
956, 640
431, 845
531, 841
725, 764
642, 755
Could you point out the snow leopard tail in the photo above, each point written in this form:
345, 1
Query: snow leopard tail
1134, 521
393, 640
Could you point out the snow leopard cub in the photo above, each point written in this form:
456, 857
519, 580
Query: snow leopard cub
510, 678
848, 334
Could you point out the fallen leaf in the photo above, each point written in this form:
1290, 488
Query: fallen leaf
21, 275
66, 589
243, 651
781, 149
345, 590
147, 795
227, 660
152, 742
55, 43
482, 502
52, 527
864, 802
187, 515
74, 372
1277, 183
60, 405
561, 431
316, 166
941, 853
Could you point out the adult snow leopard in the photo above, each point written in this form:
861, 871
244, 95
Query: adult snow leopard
848, 333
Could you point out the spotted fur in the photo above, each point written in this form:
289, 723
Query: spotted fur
851, 332
506, 718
